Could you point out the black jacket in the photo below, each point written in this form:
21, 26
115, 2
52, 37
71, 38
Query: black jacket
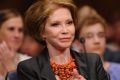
38, 68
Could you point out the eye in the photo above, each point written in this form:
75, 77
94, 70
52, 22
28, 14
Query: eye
89, 36
101, 34
70, 22
20, 30
11, 28
55, 24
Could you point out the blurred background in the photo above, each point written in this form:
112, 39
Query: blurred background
105, 7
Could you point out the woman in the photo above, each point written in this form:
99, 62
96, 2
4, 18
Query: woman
53, 23
11, 37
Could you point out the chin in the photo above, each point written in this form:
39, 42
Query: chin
97, 52
64, 47
16, 48
66, 44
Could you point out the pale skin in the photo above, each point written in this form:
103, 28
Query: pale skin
59, 34
95, 40
11, 36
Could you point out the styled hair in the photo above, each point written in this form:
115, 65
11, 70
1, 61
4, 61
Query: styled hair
91, 18
85, 11
38, 13
7, 14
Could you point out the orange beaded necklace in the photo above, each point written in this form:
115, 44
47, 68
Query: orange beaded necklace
64, 71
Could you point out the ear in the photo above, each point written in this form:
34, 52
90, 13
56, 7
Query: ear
1, 39
43, 35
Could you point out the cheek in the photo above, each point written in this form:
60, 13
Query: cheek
104, 44
103, 41
21, 35
5, 37
89, 44
73, 30
51, 34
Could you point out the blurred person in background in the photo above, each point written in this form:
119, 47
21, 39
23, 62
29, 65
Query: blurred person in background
82, 12
113, 38
115, 26
92, 28
30, 46
11, 38
109, 55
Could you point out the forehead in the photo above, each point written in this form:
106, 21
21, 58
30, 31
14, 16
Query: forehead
60, 13
17, 18
93, 28
14, 21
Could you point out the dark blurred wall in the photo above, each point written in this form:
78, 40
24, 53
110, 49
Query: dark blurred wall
105, 7
20, 5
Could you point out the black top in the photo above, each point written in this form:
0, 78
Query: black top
39, 68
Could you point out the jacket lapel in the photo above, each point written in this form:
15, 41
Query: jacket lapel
46, 72
81, 63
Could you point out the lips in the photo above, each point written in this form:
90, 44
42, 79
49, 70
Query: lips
65, 39
96, 49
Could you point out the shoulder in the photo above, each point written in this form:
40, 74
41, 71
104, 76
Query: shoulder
93, 56
23, 57
92, 59
93, 63
90, 56
27, 70
113, 65
27, 64
34, 62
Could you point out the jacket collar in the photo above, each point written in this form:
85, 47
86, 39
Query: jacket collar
48, 74
81, 63
44, 63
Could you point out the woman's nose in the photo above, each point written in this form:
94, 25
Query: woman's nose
64, 29
17, 34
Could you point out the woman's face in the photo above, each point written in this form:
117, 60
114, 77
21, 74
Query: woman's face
11, 31
95, 38
59, 29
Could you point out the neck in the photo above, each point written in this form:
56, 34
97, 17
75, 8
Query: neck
59, 56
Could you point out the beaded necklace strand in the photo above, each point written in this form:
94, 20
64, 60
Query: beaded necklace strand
64, 71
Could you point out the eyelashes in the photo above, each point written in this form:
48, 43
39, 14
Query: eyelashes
13, 29
56, 24
70, 22
91, 35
